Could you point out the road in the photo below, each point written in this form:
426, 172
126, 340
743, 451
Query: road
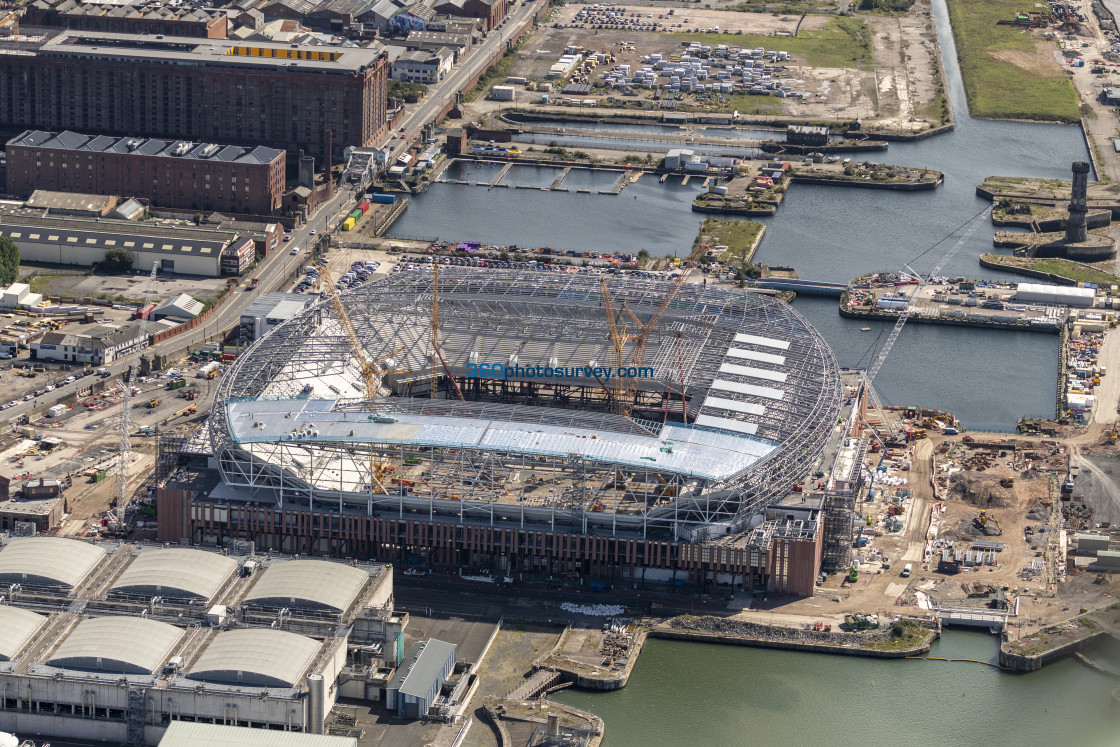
278, 266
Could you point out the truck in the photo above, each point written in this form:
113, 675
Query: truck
907, 570
176, 383
206, 371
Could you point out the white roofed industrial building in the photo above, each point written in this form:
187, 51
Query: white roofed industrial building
308, 583
178, 572
117, 645
255, 657
17, 626
48, 561
1063, 295
188, 734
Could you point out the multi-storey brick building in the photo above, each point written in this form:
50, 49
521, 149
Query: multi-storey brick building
289, 96
128, 19
169, 173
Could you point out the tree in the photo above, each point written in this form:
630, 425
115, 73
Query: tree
117, 259
9, 261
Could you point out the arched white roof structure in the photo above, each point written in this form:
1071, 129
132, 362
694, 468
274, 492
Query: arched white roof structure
316, 584
17, 626
255, 657
176, 572
120, 645
48, 561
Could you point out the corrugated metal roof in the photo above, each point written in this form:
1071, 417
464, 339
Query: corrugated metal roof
180, 572
70, 141
753, 373
16, 628
48, 560
423, 665
188, 734
308, 583
255, 657
121, 645
757, 391
727, 424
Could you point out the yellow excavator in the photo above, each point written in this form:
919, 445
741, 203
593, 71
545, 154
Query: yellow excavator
984, 522
1114, 434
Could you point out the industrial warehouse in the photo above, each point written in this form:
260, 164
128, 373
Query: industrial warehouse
116, 642
393, 452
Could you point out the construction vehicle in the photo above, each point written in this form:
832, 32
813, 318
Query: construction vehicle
858, 622
190, 394
895, 509
155, 402
853, 574
985, 522
1007, 482
1102, 579
1114, 433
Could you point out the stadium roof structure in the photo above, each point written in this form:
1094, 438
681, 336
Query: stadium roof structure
48, 561
734, 399
17, 626
255, 657
117, 645
308, 583
176, 572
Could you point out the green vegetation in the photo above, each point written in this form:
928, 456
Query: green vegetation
843, 42
786, 7
904, 634
886, 6
408, 92
1008, 74
40, 283
744, 103
1074, 271
494, 76
117, 259
737, 235
9, 261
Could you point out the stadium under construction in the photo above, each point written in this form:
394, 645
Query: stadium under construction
479, 421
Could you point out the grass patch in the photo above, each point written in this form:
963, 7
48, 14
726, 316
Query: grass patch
495, 75
1031, 87
40, 283
737, 235
844, 42
904, 634
1079, 273
744, 103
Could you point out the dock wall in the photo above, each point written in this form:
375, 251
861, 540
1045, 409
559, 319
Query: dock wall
876, 316
1034, 662
790, 645
867, 183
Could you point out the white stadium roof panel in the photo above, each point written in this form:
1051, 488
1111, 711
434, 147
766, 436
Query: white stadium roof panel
767, 342
727, 424
751, 389
723, 403
753, 373
754, 355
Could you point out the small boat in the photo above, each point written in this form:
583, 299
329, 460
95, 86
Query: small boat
865, 329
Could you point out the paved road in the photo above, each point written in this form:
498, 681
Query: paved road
276, 268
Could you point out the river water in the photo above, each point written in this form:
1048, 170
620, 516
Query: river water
694, 694
987, 378
706, 694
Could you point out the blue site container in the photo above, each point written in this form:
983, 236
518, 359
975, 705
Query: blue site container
383, 199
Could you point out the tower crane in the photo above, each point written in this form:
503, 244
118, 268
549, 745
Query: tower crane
13, 19
433, 376
877, 364
622, 384
118, 520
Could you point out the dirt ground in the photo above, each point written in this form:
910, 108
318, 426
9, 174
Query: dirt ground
128, 286
899, 94
505, 667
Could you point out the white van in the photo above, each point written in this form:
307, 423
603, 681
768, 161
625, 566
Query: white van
907, 570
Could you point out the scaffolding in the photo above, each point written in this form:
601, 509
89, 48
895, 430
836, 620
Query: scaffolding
169, 447
749, 369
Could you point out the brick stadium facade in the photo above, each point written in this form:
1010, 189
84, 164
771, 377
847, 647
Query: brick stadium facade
214, 90
788, 567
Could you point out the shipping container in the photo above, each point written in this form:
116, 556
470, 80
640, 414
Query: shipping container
356, 214
363, 206
383, 199
142, 313
347, 224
